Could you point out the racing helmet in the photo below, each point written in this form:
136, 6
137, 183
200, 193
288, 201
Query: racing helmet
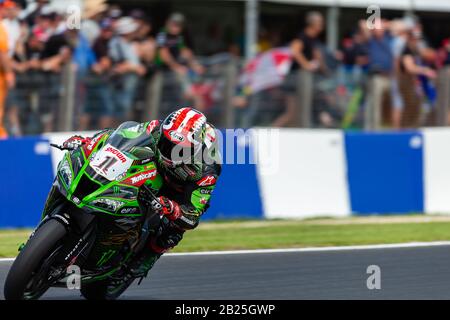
180, 143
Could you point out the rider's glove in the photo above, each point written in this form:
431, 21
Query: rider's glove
74, 142
170, 208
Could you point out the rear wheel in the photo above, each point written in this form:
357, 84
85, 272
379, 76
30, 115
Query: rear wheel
28, 276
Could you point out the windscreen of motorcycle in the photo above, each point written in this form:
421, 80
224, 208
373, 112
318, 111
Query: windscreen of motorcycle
110, 162
116, 157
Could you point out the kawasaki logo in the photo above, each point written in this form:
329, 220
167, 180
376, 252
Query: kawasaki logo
143, 176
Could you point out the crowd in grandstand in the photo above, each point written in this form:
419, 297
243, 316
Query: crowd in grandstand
111, 52
390, 58
114, 50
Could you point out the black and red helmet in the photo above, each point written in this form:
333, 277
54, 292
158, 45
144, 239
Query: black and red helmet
180, 142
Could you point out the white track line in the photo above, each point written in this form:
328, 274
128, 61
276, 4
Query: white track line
319, 249
310, 249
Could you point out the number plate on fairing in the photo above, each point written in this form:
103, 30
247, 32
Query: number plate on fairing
110, 163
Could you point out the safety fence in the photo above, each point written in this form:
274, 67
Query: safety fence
70, 100
297, 173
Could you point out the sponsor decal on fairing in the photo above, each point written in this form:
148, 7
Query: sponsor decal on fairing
207, 181
142, 177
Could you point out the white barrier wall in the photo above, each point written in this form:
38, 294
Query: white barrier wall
437, 170
303, 173
310, 179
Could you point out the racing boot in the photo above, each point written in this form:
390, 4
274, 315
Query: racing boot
138, 268
143, 263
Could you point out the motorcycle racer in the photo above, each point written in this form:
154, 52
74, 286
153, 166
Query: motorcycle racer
184, 145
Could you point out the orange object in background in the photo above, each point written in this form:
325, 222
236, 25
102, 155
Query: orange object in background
3, 93
3, 86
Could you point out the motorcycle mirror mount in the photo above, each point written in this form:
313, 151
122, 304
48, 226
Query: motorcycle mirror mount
57, 146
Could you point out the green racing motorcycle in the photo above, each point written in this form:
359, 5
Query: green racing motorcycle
92, 218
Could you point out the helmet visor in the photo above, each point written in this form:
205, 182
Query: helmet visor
173, 155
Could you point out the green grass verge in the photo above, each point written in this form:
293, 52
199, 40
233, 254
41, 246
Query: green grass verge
300, 234
10, 241
281, 234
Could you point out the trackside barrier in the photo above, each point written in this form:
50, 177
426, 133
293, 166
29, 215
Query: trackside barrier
315, 173
385, 172
237, 194
437, 170
26, 179
308, 177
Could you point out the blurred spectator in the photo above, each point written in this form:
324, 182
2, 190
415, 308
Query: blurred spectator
399, 30
307, 56
416, 74
264, 42
444, 53
352, 75
173, 54
46, 24
57, 52
144, 26
15, 31
304, 48
12, 24
82, 56
354, 60
92, 13
380, 68
114, 12
127, 67
99, 92
144, 41
26, 66
7, 78
114, 57
33, 11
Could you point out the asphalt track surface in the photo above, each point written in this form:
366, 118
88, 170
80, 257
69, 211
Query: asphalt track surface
406, 273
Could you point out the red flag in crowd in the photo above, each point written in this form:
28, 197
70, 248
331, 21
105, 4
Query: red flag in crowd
267, 70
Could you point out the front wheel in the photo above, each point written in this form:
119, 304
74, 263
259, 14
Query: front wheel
27, 278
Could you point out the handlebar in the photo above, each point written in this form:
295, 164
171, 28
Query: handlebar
154, 202
58, 146
62, 148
